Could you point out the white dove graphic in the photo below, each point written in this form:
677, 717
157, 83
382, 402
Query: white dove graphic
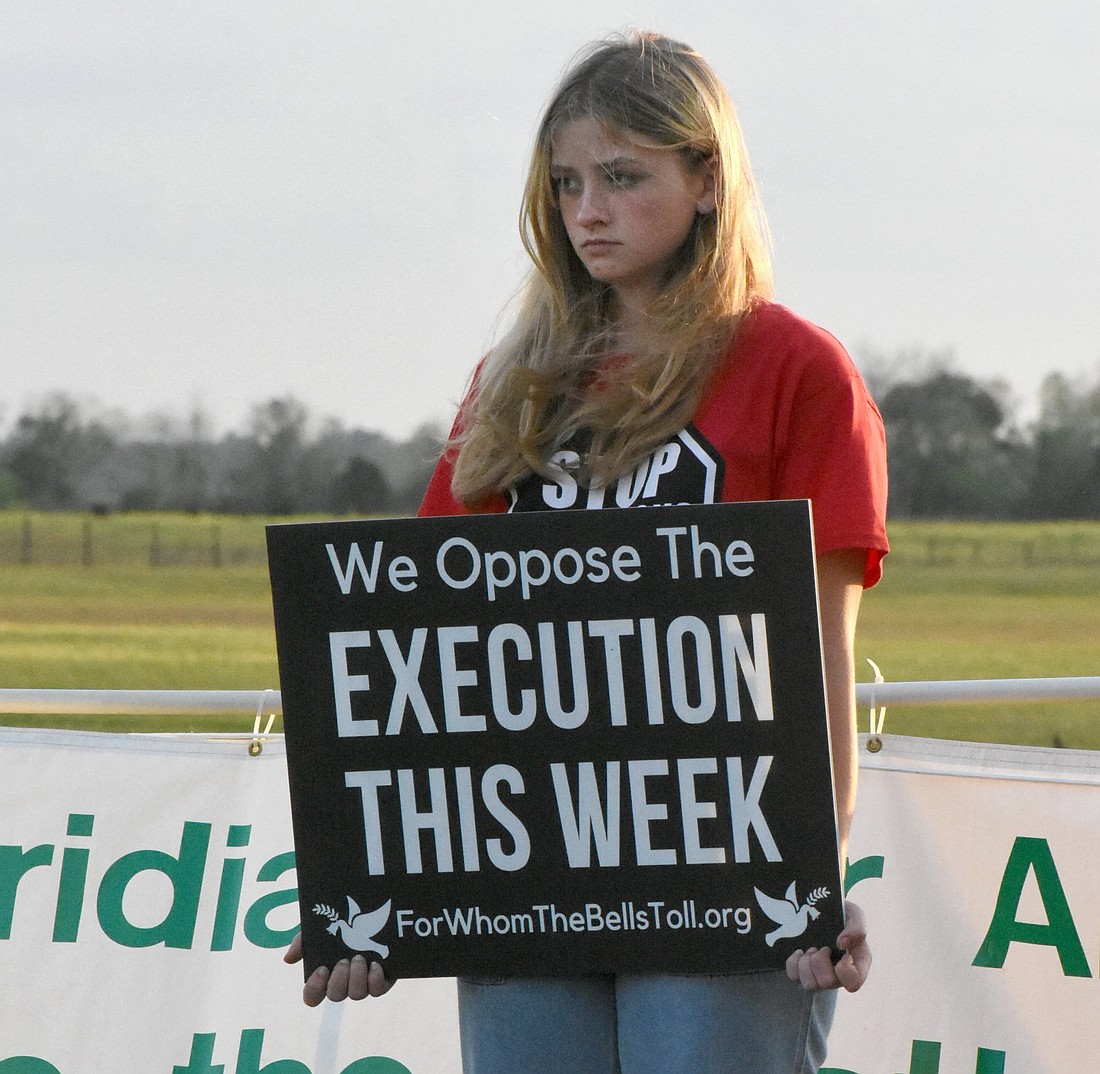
792, 919
358, 930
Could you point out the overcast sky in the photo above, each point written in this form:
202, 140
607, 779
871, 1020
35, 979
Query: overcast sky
213, 202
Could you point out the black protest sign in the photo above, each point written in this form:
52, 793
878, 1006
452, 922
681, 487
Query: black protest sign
539, 744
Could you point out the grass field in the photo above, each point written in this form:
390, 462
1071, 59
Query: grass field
987, 601
959, 601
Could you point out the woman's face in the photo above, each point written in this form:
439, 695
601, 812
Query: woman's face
627, 205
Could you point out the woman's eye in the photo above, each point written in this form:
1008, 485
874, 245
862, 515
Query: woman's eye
624, 179
566, 184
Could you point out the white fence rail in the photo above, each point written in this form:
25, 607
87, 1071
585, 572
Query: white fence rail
868, 695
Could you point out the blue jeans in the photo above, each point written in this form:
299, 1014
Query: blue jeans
747, 1023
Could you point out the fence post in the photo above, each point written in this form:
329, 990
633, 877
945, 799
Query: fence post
87, 551
1029, 553
27, 553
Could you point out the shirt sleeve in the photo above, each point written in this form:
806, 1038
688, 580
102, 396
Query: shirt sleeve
439, 499
834, 453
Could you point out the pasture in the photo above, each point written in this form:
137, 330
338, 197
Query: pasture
174, 602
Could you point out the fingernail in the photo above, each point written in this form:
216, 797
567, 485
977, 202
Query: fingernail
359, 958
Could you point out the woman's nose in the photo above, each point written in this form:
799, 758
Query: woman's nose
592, 208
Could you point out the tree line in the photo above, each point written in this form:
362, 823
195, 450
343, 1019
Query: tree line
956, 450
62, 455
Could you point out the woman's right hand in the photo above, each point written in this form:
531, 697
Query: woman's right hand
348, 979
815, 969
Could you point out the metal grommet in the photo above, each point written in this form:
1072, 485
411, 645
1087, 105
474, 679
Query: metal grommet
255, 748
874, 744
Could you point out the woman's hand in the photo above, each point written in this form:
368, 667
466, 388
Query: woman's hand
814, 969
348, 979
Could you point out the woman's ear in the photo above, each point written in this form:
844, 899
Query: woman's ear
707, 200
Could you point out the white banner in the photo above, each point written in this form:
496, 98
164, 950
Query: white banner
983, 890
147, 890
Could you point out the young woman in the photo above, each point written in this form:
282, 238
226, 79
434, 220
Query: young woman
645, 342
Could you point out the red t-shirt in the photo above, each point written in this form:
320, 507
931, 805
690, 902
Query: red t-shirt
787, 416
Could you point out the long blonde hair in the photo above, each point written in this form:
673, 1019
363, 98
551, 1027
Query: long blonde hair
533, 390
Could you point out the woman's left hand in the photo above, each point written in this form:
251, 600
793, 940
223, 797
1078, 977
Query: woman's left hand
815, 970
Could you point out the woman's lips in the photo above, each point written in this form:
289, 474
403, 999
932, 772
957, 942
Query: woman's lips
596, 246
